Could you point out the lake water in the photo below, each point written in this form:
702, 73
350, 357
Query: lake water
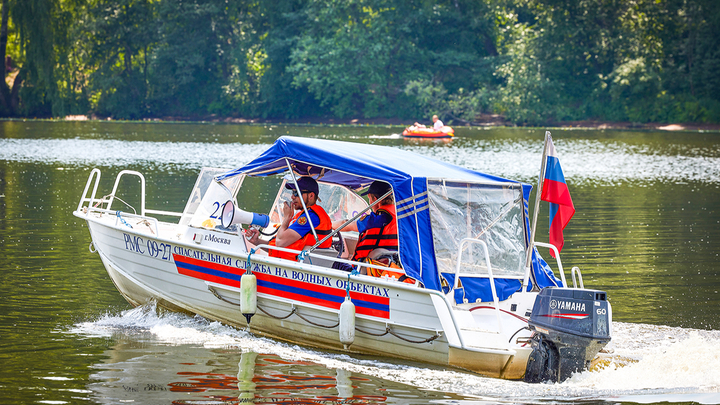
647, 231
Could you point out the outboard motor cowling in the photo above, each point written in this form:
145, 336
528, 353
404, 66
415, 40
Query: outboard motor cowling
571, 326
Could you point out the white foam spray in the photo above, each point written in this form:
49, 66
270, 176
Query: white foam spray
645, 363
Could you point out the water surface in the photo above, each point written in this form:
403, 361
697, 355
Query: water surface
646, 231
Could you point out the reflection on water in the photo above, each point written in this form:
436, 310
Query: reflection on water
175, 359
646, 230
233, 376
172, 357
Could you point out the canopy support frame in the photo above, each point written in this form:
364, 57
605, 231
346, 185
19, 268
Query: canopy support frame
307, 214
346, 223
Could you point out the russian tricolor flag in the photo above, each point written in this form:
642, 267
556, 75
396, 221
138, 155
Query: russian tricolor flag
555, 191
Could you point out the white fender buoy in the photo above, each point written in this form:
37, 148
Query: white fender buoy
248, 295
347, 322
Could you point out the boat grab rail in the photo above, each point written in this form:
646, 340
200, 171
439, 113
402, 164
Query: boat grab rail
142, 189
574, 270
120, 214
436, 293
557, 259
490, 274
160, 212
214, 287
91, 200
84, 197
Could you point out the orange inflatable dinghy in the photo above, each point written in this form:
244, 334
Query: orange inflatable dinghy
419, 132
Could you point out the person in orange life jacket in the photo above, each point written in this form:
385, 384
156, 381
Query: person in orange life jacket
295, 231
378, 230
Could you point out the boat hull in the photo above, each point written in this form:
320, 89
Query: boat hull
490, 365
430, 133
299, 303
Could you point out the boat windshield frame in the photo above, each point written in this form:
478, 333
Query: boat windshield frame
208, 197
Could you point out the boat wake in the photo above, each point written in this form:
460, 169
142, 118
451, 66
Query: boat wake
643, 363
391, 136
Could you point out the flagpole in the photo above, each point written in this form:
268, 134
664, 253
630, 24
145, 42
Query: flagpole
548, 138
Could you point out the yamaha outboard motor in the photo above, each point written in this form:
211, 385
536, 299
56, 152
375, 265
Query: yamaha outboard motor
571, 326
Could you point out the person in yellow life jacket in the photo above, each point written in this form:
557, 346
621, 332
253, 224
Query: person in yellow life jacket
295, 231
378, 230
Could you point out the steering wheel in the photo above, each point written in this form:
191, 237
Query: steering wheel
339, 244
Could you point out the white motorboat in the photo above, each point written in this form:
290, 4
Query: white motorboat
483, 299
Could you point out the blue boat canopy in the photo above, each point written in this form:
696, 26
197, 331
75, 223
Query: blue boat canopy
438, 205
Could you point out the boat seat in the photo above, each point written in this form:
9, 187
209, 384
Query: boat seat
385, 257
380, 253
350, 240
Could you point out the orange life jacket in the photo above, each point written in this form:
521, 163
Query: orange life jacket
373, 238
322, 229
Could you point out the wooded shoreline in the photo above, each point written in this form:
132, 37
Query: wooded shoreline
396, 122
594, 63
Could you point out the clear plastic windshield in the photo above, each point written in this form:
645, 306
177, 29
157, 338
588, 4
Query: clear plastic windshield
490, 213
213, 196
207, 197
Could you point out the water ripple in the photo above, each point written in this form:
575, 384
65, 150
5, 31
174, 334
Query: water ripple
117, 153
583, 161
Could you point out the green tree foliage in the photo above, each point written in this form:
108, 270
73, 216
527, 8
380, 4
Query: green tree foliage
194, 57
120, 35
534, 61
278, 25
8, 98
344, 57
36, 29
357, 57
611, 59
690, 65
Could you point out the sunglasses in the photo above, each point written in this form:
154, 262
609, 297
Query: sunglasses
295, 193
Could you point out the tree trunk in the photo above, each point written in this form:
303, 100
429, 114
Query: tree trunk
4, 90
15, 93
